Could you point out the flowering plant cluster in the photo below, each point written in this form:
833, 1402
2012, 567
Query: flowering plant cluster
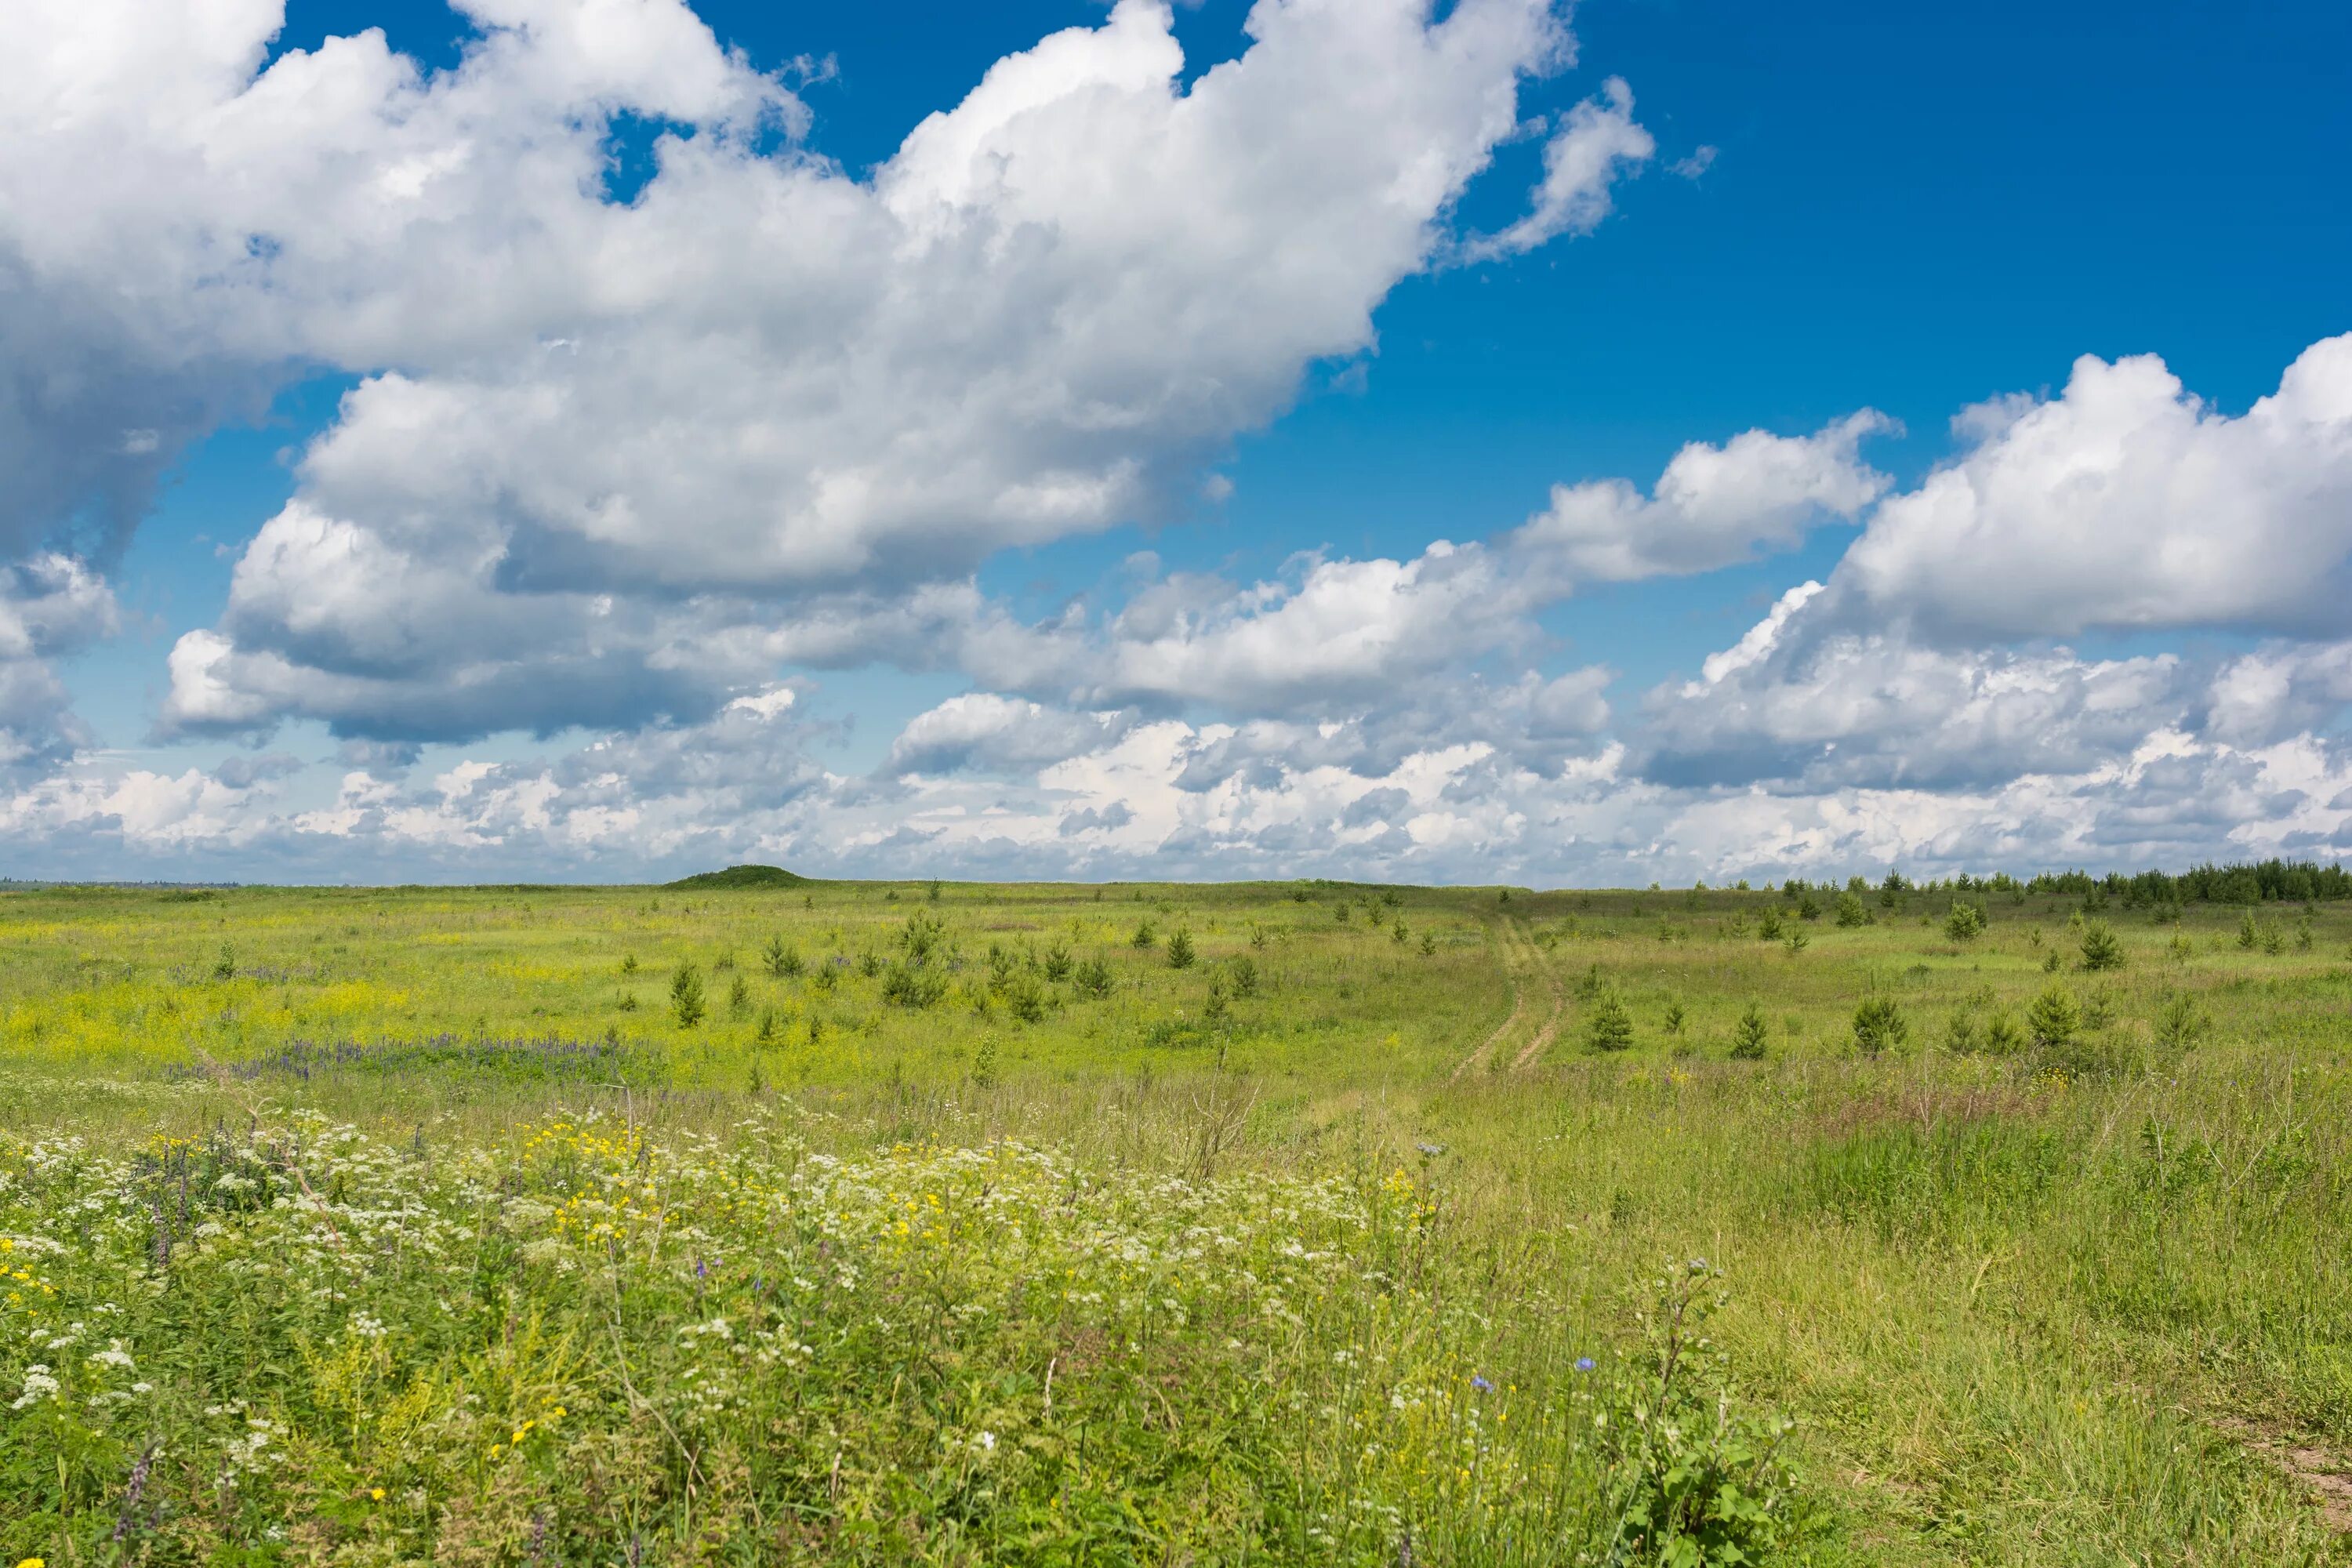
297, 1343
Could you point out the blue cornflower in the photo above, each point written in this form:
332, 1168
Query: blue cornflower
1585, 1363
1482, 1385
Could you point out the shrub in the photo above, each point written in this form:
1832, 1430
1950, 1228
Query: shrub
1145, 937
1960, 1032
1965, 922
909, 984
1058, 963
1242, 971
2002, 1037
783, 960
1768, 928
1611, 1026
2100, 948
1851, 911
739, 995
1025, 998
1674, 1018
1092, 978
2180, 1022
922, 935
2054, 1019
686, 1001
1749, 1037
1808, 908
1180, 949
1878, 1025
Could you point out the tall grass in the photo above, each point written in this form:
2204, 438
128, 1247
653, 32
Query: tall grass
1139, 1277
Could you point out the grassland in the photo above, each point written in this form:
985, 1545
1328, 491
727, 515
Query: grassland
968, 1225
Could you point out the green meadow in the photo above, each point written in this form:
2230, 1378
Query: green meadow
768, 1221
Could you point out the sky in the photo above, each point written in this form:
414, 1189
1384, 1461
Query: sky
592, 440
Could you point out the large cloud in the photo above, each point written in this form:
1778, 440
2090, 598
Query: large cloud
604, 453
50, 606
2126, 502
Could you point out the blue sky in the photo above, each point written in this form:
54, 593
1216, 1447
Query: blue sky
1798, 213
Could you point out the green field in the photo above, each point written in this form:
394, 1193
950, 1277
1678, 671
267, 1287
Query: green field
1297, 1223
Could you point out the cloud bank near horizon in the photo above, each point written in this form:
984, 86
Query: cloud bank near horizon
587, 533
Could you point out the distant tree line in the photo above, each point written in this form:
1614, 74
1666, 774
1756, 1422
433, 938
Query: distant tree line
2252, 882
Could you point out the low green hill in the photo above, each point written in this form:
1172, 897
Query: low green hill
743, 876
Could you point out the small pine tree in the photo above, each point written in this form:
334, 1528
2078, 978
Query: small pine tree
2002, 1037
783, 962
2180, 1022
686, 996
1851, 912
2101, 950
1244, 973
1180, 949
1879, 1025
1676, 1017
739, 995
1965, 922
1145, 936
2054, 1018
767, 1031
1611, 1026
1057, 963
1749, 1035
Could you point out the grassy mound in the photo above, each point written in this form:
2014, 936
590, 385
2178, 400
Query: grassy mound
743, 876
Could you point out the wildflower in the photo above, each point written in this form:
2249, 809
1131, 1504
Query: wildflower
33, 1563
375, 1493
1585, 1363
1482, 1385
